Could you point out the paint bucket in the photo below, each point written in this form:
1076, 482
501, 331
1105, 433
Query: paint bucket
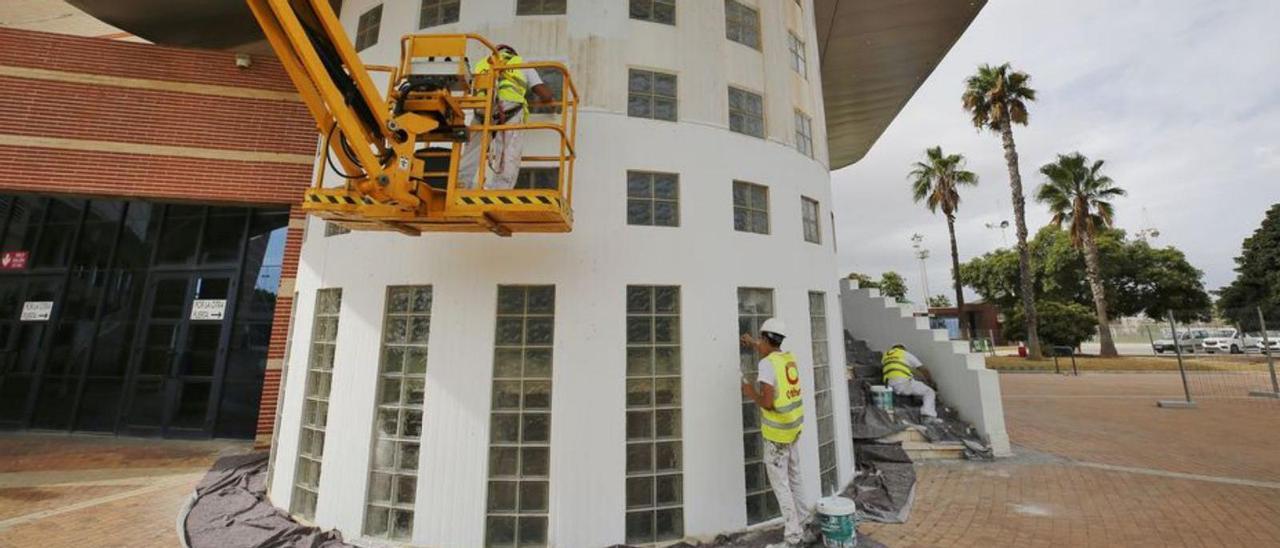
882, 397
838, 518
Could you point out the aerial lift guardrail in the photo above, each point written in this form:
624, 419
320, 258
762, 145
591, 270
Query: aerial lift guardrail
400, 154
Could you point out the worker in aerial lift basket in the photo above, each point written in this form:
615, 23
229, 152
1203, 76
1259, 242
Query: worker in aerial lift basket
777, 393
510, 107
900, 369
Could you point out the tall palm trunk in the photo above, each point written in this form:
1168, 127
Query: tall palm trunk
1024, 252
955, 277
1093, 270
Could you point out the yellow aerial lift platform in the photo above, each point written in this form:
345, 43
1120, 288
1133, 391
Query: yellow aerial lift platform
400, 154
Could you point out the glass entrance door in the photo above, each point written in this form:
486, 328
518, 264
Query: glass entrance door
180, 350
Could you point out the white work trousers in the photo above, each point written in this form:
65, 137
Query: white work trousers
912, 387
782, 465
505, 150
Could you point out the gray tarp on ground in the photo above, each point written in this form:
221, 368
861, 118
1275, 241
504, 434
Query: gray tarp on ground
231, 509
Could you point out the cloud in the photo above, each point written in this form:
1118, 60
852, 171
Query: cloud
1181, 99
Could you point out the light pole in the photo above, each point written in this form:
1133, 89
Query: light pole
917, 241
1002, 225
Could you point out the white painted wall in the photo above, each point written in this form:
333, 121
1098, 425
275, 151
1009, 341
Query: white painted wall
964, 382
590, 268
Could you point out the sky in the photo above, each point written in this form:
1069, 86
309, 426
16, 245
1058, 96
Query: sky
1181, 99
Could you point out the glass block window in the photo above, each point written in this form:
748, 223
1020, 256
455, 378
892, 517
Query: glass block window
809, 216
655, 494
804, 134
822, 391
538, 178
315, 406
656, 11
746, 112
651, 95
520, 424
438, 12
367, 28
402, 378
332, 229
653, 199
796, 47
742, 24
750, 207
540, 7
755, 305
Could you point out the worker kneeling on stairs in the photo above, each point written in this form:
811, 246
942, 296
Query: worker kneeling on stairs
510, 107
777, 393
900, 369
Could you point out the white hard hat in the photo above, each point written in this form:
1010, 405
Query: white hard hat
775, 326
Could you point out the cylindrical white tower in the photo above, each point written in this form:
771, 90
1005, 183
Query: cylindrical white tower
583, 389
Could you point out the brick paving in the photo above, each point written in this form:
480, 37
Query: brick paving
1098, 464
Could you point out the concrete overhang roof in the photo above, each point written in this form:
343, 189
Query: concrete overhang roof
874, 55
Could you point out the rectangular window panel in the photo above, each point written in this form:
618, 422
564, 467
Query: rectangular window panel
651, 95
315, 405
367, 28
804, 134
438, 12
809, 216
538, 178
656, 11
554, 80
398, 403
540, 7
520, 423
653, 199
796, 47
821, 401
750, 207
742, 24
331, 229
755, 305
746, 112
654, 486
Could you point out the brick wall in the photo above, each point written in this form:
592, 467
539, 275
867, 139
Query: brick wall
100, 118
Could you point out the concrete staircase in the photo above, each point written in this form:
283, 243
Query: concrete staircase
921, 449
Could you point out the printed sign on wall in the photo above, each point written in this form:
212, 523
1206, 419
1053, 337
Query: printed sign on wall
36, 311
14, 260
208, 309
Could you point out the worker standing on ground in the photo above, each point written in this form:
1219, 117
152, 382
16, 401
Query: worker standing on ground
777, 393
900, 369
510, 107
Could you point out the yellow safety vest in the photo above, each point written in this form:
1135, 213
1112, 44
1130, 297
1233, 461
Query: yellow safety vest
782, 424
894, 365
512, 86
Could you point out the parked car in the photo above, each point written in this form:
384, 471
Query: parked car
1230, 341
1189, 341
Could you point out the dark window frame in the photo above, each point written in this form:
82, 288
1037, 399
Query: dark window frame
368, 28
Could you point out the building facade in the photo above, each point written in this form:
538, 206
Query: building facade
583, 389
147, 234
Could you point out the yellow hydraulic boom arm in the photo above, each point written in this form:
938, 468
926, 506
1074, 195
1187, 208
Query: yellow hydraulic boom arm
400, 153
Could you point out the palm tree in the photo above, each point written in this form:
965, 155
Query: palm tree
937, 181
997, 98
1079, 195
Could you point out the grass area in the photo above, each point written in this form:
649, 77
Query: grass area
1131, 363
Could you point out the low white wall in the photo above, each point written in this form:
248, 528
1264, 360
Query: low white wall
964, 382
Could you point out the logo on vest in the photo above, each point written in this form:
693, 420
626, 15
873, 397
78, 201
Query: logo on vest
793, 379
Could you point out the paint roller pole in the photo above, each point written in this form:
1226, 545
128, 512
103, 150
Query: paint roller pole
1271, 362
1177, 348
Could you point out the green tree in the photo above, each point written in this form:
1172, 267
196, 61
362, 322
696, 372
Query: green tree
892, 285
1079, 196
1137, 278
997, 99
936, 181
1061, 324
1257, 283
940, 301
